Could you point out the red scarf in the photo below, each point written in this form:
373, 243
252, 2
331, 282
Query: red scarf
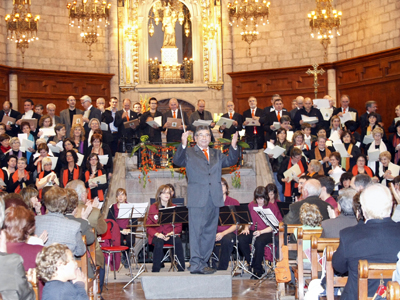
65, 175
41, 175
288, 185
15, 179
100, 193
5, 149
367, 169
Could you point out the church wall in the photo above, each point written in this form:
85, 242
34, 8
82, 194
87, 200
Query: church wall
3, 37
368, 27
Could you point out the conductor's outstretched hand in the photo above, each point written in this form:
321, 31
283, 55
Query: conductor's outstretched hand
184, 138
234, 140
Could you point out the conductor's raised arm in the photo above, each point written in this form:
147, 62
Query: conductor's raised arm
179, 158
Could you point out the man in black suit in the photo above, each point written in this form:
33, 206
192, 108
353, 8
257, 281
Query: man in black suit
377, 240
308, 111
11, 130
106, 116
90, 112
113, 128
29, 114
270, 108
127, 135
311, 191
254, 134
274, 115
344, 107
237, 123
299, 105
174, 135
370, 106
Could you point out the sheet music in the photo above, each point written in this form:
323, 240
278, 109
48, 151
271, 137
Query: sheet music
326, 113
268, 214
321, 103
276, 151
339, 147
373, 155
310, 120
139, 210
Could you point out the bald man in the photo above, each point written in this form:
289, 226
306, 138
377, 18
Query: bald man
237, 123
174, 135
201, 114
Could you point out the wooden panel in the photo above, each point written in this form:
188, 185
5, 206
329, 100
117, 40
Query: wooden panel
287, 82
45, 86
4, 83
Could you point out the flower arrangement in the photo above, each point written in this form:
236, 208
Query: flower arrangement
147, 164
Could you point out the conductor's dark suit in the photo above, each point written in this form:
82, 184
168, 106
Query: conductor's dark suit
377, 241
204, 197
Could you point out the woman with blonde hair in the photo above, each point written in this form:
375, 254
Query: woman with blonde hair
161, 235
298, 141
51, 176
377, 144
387, 170
335, 129
77, 134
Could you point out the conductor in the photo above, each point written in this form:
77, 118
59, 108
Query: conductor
203, 169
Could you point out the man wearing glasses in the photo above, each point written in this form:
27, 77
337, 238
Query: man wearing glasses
203, 169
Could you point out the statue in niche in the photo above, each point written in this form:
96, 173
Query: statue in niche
168, 26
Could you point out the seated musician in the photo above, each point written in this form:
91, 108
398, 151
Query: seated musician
126, 237
262, 234
160, 235
20, 178
94, 169
225, 234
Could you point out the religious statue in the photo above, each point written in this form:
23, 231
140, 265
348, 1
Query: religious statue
168, 26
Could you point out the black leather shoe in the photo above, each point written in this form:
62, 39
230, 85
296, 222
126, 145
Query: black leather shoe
205, 271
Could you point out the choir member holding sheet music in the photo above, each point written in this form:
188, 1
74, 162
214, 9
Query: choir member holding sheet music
201, 115
126, 237
321, 153
361, 167
103, 151
263, 234
308, 111
289, 184
20, 178
345, 108
60, 135
392, 127
348, 141
236, 124
10, 168
26, 129
152, 131
95, 126
160, 235
46, 127
93, 170
394, 141
35, 164
335, 129
15, 145
299, 142
377, 146
387, 170
71, 171
77, 134
47, 177
335, 170
372, 123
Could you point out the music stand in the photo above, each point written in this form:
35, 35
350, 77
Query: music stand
270, 220
172, 215
283, 207
135, 210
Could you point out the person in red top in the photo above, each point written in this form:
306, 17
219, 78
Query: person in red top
225, 236
160, 235
263, 233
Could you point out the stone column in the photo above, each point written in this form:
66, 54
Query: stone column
13, 82
332, 84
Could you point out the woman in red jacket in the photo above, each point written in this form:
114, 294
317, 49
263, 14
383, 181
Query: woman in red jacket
160, 235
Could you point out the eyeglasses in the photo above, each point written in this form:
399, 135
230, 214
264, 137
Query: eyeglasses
204, 135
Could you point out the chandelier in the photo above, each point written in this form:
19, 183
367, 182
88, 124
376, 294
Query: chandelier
21, 26
324, 21
248, 14
88, 16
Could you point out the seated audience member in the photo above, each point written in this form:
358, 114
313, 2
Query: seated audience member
20, 178
378, 240
57, 267
387, 170
345, 181
394, 141
262, 232
225, 236
98, 147
13, 200
59, 229
377, 144
93, 170
15, 151
361, 167
393, 128
290, 187
360, 182
349, 143
72, 171
321, 153
127, 239
314, 168
30, 197
310, 218
327, 187
14, 284
77, 135
311, 192
160, 235
9, 168
45, 122
346, 218
302, 181
60, 135
47, 172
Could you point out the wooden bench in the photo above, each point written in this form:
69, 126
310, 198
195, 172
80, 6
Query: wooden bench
393, 290
368, 271
318, 246
331, 280
303, 235
35, 286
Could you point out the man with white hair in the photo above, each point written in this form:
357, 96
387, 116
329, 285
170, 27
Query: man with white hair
378, 240
90, 112
311, 192
51, 111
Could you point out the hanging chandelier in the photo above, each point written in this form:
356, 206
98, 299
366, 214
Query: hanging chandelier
324, 21
88, 16
248, 14
21, 26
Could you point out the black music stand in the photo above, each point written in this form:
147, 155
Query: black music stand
173, 215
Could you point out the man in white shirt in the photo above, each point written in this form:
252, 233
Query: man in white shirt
113, 129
